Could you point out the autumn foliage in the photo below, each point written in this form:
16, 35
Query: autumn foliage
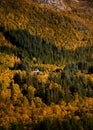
46, 67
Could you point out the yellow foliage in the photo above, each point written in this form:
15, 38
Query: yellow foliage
16, 92
5, 95
77, 118
42, 78
56, 109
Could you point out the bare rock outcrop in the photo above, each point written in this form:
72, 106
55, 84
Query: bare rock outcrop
67, 4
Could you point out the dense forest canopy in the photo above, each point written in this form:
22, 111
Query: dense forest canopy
46, 67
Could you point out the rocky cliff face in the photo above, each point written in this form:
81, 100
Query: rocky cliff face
58, 4
66, 4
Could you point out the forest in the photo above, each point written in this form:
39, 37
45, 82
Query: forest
59, 44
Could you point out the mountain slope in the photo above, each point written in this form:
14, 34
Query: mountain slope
47, 23
46, 67
59, 30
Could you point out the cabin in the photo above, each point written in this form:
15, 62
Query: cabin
36, 70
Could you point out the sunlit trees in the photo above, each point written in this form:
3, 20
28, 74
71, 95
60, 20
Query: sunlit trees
60, 45
31, 93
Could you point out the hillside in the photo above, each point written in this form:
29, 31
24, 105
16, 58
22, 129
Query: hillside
46, 66
59, 30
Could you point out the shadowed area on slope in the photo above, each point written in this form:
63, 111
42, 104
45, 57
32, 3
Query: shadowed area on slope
35, 46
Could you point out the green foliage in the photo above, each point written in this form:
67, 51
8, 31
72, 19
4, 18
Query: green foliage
15, 126
60, 45
58, 124
35, 46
